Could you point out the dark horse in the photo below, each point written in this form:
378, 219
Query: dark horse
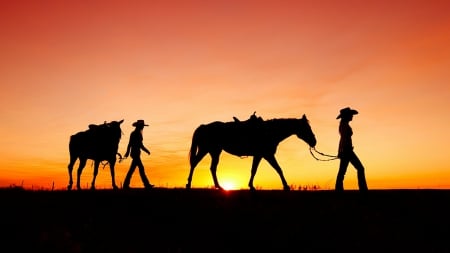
257, 138
98, 143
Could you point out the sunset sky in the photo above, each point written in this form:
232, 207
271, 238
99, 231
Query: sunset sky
181, 63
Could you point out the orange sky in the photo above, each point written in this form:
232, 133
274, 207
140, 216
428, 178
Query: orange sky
180, 63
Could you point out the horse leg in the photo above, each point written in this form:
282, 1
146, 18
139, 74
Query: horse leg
113, 177
70, 168
213, 168
255, 163
194, 161
96, 164
273, 162
80, 169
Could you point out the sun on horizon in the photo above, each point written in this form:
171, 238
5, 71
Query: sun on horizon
229, 185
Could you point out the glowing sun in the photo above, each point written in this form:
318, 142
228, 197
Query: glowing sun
228, 186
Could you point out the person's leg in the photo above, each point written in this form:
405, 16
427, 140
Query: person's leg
142, 174
126, 182
343, 164
362, 184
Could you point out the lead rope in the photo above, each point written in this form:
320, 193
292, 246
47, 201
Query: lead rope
331, 157
120, 160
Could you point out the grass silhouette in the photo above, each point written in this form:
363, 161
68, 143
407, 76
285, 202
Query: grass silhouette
204, 220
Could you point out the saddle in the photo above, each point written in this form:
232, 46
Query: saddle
94, 127
252, 121
98, 132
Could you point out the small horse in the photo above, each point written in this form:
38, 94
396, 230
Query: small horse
257, 138
98, 143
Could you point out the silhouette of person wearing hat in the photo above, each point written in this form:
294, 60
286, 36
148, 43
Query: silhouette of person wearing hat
346, 153
134, 148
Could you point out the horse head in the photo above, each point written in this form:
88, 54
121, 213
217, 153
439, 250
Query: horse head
305, 132
115, 124
107, 133
115, 129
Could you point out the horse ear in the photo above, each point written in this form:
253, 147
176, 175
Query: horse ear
120, 122
304, 116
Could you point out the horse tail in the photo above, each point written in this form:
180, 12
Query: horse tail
72, 144
194, 146
76, 144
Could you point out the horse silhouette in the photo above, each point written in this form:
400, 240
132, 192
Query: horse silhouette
254, 137
98, 143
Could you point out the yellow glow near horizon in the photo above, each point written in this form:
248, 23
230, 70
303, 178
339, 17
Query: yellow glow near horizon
228, 185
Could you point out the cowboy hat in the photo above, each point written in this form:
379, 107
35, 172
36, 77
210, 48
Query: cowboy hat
346, 111
139, 123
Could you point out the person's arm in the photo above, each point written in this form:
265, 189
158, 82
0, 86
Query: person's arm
127, 153
142, 145
145, 149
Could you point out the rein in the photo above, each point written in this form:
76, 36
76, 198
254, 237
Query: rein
120, 160
331, 157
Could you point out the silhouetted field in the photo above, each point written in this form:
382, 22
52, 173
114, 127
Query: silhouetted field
178, 220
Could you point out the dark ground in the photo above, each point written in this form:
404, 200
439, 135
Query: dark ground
200, 220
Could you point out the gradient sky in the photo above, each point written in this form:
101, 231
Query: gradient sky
180, 63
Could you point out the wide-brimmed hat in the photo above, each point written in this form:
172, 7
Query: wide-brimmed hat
347, 111
139, 123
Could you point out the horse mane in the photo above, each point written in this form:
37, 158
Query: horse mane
280, 120
302, 120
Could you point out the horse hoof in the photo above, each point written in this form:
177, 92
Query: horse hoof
188, 186
287, 188
149, 186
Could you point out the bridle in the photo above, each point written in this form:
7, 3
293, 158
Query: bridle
331, 157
